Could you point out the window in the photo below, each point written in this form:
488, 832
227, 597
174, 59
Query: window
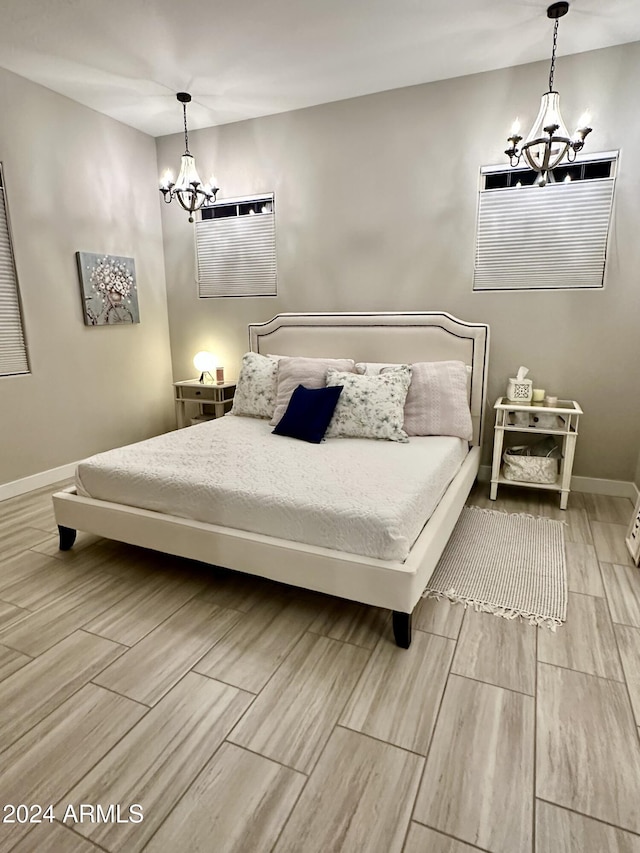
13, 351
236, 248
544, 238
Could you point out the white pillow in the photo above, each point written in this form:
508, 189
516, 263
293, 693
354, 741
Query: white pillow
438, 400
298, 370
256, 389
370, 406
372, 368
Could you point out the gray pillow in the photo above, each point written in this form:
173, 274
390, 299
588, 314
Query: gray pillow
438, 401
298, 370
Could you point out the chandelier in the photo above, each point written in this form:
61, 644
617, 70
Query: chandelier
188, 189
548, 141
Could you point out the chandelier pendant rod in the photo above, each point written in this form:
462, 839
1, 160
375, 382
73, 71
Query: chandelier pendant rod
553, 55
186, 132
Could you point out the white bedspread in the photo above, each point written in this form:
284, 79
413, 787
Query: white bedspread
356, 495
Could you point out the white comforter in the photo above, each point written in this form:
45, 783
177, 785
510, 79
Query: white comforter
356, 495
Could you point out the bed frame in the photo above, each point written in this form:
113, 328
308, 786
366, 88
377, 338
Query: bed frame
393, 337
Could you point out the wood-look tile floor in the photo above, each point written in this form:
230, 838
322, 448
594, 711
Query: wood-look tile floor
247, 716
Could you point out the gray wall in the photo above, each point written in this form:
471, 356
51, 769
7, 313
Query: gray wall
78, 181
376, 207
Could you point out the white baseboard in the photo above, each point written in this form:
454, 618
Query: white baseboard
592, 485
615, 488
36, 481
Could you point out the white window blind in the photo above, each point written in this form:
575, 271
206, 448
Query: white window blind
548, 237
13, 352
236, 255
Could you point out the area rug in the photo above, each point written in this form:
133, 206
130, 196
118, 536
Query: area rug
509, 564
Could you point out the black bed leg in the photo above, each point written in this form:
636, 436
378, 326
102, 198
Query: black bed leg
67, 537
402, 629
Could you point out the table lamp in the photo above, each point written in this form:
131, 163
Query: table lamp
206, 363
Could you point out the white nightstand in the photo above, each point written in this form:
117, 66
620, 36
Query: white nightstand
568, 414
213, 401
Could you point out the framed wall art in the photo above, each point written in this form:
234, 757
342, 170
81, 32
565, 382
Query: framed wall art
109, 289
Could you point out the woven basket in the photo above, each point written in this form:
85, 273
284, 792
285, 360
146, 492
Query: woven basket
529, 469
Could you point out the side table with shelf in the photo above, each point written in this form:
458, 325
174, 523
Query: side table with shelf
568, 413
213, 401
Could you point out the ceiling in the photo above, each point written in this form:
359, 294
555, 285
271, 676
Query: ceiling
246, 58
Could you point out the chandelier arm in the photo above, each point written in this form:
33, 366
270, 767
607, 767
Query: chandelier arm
197, 198
191, 207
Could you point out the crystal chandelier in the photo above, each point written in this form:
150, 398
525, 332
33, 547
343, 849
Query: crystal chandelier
548, 141
188, 189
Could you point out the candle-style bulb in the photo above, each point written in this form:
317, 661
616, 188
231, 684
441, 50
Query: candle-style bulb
167, 178
515, 127
584, 120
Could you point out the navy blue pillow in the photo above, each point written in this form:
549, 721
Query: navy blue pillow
308, 413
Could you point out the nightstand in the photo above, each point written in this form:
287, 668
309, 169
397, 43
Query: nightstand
510, 417
213, 400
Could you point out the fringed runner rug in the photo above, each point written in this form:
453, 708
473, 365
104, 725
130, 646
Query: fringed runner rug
509, 564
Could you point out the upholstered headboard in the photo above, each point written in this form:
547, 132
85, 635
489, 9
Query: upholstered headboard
394, 337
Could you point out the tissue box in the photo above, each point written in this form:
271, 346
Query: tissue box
520, 390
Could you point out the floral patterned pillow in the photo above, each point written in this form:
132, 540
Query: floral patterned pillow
370, 406
256, 389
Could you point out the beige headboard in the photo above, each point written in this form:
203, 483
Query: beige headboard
395, 337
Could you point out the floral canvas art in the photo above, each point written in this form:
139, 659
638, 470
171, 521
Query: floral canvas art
108, 288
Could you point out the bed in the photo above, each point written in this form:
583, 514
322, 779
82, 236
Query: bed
276, 538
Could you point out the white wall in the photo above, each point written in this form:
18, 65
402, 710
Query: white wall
376, 207
79, 181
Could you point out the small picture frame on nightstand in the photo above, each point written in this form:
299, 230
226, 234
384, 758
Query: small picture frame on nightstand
633, 535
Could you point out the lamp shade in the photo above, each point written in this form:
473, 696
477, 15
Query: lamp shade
188, 174
548, 139
205, 362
